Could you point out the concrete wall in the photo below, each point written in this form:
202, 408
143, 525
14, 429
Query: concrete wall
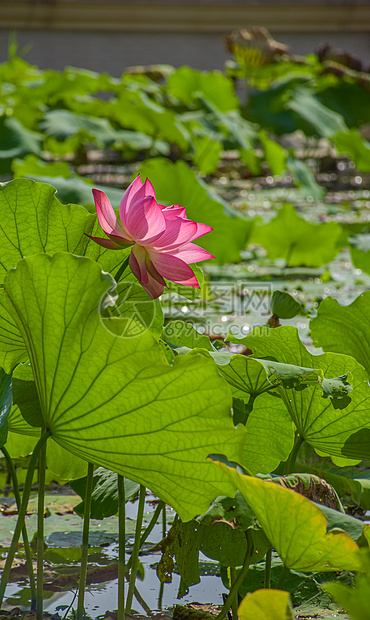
113, 34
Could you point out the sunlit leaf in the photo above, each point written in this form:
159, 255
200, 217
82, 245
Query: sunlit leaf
33, 220
296, 528
115, 401
266, 605
339, 425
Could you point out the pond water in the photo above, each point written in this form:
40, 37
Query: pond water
102, 597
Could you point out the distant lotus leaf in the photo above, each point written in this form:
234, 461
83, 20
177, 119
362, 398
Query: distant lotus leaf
177, 183
114, 400
344, 328
266, 605
186, 83
355, 146
299, 242
339, 426
312, 116
70, 186
16, 141
295, 527
360, 252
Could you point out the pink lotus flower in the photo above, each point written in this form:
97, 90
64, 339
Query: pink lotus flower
160, 237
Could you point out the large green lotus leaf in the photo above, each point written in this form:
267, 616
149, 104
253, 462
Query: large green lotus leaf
344, 328
270, 435
300, 242
12, 348
177, 183
115, 401
5, 404
338, 426
33, 220
249, 376
23, 435
186, 84
296, 528
266, 605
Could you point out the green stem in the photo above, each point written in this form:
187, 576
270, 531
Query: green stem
164, 521
85, 543
268, 568
160, 595
135, 551
293, 457
21, 514
147, 530
122, 546
234, 605
121, 269
40, 534
281, 579
164, 533
238, 582
27, 549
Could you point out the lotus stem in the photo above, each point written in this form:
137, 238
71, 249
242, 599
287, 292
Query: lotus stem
268, 568
21, 514
27, 549
85, 543
164, 532
234, 605
135, 551
238, 582
40, 534
122, 546
293, 457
